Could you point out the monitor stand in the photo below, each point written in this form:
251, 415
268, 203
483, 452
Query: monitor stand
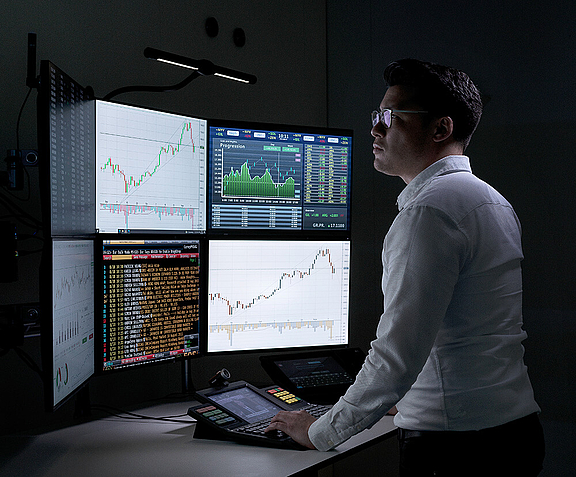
82, 407
187, 384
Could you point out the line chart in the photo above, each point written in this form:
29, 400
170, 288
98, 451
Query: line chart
271, 294
258, 170
151, 170
242, 183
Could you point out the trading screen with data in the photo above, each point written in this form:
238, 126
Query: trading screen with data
72, 311
66, 139
150, 170
269, 177
137, 200
268, 294
151, 299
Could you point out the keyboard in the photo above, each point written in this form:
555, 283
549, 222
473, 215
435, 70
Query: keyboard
322, 380
242, 413
316, 410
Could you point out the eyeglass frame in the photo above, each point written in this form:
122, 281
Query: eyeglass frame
378, 116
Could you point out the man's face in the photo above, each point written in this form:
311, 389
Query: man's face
403, 148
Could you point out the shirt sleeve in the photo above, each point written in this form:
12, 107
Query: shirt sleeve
423, 254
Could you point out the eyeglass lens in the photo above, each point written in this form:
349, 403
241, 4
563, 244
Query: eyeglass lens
385, 117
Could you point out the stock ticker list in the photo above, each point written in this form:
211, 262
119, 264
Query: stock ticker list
150, 309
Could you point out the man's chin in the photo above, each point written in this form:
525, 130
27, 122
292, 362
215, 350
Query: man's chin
383, 169
380, 165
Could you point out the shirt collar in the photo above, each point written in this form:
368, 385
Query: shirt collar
443, 166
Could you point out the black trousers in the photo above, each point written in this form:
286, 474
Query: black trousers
512, 449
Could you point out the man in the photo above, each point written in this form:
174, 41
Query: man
448, 349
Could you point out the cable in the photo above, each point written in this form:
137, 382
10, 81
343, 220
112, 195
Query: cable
24, 253
22, 237
153, 89
19, 213
18, 121
178, 396
113, 411
28, 361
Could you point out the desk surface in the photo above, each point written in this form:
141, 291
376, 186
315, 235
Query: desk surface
116, 446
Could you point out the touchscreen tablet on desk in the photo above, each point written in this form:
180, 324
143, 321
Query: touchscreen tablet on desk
319, 376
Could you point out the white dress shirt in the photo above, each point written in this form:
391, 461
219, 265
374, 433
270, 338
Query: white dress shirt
448, 349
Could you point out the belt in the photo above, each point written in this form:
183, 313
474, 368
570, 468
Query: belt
509, 426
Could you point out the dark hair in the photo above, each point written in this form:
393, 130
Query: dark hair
441, 90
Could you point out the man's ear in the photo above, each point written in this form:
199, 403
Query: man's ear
444, 129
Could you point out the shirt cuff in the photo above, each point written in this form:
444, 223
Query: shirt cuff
323, 434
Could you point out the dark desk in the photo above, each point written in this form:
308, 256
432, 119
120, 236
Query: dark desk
114, 446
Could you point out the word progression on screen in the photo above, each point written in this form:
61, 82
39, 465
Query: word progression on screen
151, 301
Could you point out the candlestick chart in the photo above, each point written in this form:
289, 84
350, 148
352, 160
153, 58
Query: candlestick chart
274, 294
150, 170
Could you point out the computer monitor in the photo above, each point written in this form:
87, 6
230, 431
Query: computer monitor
150, 305
150, 171
66, 140
279, 179
114, 168
277, 294
68, 333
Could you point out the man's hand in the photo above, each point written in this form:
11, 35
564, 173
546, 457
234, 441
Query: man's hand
295, 424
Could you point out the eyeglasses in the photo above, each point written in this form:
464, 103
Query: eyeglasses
384, 116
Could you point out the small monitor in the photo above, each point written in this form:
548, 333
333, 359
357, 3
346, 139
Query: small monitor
276, 179
68, 337
150, 171
277, 294
150, 305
